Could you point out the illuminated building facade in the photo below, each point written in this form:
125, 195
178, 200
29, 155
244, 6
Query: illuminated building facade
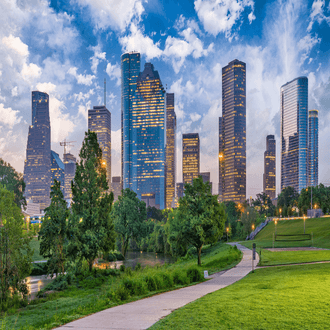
69, 173
37, 167
116, 187
179, 192
130, 70
146, 171
313, 148
270, 167
294, 124
232, 133
57, 170
99, 121
170, 150
190, 157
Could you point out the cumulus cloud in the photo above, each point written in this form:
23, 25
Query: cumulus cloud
317, 14
95, 59
30, 71
81, 79
81, 97
46, 87
9, 117
16, 44
14, 91
114, 72
195, 116
306, 44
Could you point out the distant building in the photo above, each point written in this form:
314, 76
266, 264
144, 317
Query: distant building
69, 173
179, 192
294, 133
232, 133
313, 148
116, 187
190, 157
270, 167
37, 167
99, 121
57, 170
31, 208
206, 178
170, 150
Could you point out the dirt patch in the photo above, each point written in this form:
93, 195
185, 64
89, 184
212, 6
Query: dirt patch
295, 249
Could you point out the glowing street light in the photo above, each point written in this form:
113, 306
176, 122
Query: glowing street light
275, 226
304, 223
227, 230
253, 226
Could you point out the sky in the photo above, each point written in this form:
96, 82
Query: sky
67, 49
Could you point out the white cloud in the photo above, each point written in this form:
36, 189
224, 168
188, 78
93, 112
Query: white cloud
195, 116
83, 110
30, 71
114, 72
221, 15
46, 87
317, 14
306, 44
17, 45
81, 79
8, 116
113, 13
251, 17
95, 59
81, 97
14, 91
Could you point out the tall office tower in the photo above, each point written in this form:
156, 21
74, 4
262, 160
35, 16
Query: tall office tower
99, 121
69, 173
130, 70
270, 167
116, 187
146, 170
37, 167
179, 192
170, 150
313, 148
57, 170
206, 176
190, 157
232, 133
294, 122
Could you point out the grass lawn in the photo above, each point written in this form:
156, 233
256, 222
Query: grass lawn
73, 303
291, 297
35, 245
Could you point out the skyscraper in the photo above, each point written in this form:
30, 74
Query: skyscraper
37, 167
69, 173
206, 176
270, 167
170, 150
232, 133
116, 187
294, 123
145, 171
57, 169
190, 157
313, 148
99, 121
130, 70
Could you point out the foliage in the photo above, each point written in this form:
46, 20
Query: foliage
321, 199
263, 204
287, 199
199, 219
13, 181
129, 214
248, 218
91, 229
53, 232
233, 213
15, 252
154, 213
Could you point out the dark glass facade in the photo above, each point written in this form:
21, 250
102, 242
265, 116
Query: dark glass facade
232, 133
99, 121
294, 124
57, 170
170, 150
270, 167
190, 157
130, 70
206, 178
70, 170
37, 167
116, 187
313, 148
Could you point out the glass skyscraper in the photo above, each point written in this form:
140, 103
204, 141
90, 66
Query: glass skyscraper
99, 121
37, 167
170, 150
190, 157
57, 170
70, 170
270, 167
294, 124
313, 148
232, 133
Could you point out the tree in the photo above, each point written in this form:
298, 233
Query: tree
200, 218
287, 198
233, 213
53, 232
90, 227
249, 218
129, 214
13, 181
15, 251
263, 204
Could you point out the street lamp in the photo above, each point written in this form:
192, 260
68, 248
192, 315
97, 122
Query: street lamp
304, 223
280, 212
227, 230
275, 226
253, 226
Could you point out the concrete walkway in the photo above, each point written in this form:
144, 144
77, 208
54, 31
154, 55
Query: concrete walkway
142, 314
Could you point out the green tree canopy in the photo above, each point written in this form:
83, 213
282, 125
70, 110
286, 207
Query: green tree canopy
13, 181
90, 227
199, 218
263, 204
53, 232
129, 214
248, 218
287, 198
321, 199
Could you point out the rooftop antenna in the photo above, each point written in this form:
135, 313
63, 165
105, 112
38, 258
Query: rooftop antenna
105, 92
66, 143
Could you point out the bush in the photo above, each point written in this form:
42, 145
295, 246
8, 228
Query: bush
122, 268
138, 266
194, 274
151, 283
167, 281
128, 271
122, 293
39, 269
180, 278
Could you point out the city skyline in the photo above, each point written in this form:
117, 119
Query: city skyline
71, 60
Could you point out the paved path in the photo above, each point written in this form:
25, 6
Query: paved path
142, 314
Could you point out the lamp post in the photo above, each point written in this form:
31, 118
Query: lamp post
253, 226
275, 226
227, 230
304, 223
280, 212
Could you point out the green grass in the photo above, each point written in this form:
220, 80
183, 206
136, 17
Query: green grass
35, 245
62, 307
291, 297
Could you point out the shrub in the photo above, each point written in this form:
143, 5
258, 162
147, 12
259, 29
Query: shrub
194, 274
138, 266
180, 278
167, 281
122, 293
151, 283
39, 269
128, 271
122, 268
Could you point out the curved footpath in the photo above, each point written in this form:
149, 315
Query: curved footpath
142, 314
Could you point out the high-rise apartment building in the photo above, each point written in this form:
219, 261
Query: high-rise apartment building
206, 176
294, 134
313, 148
116, 187
37, 167
232, 133
170, 150
270, 167
69, 173
190, 157
130, 70
57, 169
145, 171
99, 121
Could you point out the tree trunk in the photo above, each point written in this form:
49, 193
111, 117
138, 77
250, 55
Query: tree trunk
90, 264
199, 255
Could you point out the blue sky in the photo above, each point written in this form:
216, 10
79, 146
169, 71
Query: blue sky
67, 48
